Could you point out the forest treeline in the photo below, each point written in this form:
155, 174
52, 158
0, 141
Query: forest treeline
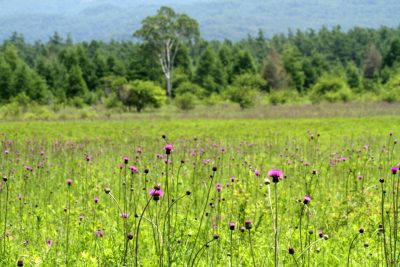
317, 65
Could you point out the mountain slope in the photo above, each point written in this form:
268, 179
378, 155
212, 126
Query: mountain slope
218, 19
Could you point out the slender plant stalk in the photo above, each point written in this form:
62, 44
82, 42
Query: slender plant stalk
202, 217
276, 227
137, 231
383, 224
351, 246
252, 250
5, 220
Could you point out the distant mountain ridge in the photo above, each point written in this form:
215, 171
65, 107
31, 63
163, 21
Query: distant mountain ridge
218, 19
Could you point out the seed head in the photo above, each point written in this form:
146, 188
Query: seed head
248, 224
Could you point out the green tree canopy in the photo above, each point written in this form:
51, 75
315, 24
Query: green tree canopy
165, 32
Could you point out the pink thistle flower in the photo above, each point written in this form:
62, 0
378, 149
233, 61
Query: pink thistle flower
124, 215
257, 172
69, 182
133, 169
28, 168
306, 200
218, 187
156, 192
168, 149
394, 170
125, 159
139, 150
49, 242
276, 175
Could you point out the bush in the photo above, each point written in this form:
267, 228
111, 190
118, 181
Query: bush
186, 101
245, 97
391, 90
330, 88
283, 96
142, 94
190, 88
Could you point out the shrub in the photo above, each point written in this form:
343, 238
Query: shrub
330, 88
391, 90
185, 101
142, 94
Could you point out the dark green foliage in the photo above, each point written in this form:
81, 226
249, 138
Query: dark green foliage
92, 72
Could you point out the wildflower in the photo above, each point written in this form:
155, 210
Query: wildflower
28, 168
156, 192
218, 187
96, 200
49, 242
394, 170
232, 226
69, 182
124, 215
232, 178
257, 172
306, 200
139, 150
168, 149
133, 169
125, 159
222, 149
99, 233
276, 175
121, 166
88, 158
20, 263
6, 151
248, 224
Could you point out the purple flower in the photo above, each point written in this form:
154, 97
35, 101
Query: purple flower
168, 149
248, 224
232, 178
133, 169
276, 175
121, 166
96, 200
306, 200
69, 182
232, 226
218, 187
156, 192
88, 158
19, 196
124, 215
99, 233
257, 172
159, 156
125, 159
6, 151
42, 152
28, 168
222, 149
49, 242
394, 170
139, 150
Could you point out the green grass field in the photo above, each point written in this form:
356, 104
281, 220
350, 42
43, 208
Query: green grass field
215, 175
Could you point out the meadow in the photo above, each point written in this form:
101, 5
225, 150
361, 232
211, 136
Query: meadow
200, 192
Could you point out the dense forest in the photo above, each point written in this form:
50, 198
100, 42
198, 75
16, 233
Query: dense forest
325, 65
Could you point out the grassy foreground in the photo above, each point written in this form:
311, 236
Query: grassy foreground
67, 197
